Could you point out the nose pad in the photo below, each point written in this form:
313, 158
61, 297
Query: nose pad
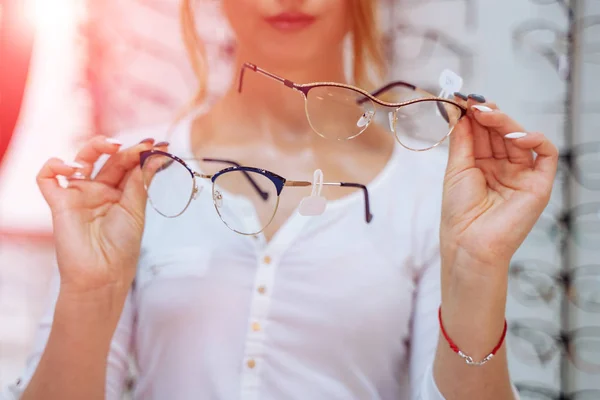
196, 191
392, 120
218, 199
365, 119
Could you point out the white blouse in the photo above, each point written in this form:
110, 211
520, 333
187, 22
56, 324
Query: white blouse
332, 308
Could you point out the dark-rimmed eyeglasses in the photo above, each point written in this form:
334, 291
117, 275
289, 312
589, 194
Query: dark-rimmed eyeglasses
537, 341
245, 198
535, 282
532, 391
341, 112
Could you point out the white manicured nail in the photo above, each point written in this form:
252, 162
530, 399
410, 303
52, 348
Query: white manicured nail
73, 164
113, 141
482, 108
515, 135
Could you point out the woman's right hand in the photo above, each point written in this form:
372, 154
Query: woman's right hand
98, 223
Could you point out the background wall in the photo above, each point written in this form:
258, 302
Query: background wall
103, 69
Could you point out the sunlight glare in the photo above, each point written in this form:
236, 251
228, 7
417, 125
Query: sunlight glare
51, 13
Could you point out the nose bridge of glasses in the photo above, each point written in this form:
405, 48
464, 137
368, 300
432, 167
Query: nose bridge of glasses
203, 176
386, 88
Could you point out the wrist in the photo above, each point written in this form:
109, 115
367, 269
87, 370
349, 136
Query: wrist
463, 267
98, 310
473, 307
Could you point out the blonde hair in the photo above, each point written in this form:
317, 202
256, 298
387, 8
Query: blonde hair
366, 46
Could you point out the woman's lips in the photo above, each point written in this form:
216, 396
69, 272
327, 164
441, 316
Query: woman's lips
290, 21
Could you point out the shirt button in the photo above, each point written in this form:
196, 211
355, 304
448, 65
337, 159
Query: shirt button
251, 363
267, 260
255, 326
262, 289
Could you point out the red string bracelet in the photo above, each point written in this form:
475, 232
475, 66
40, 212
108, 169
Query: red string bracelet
468, 359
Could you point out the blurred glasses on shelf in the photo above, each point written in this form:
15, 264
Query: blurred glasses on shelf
532, 391
537, 342
580, 223
535, 282
550, 41
583, 162
341, 112
416, 46
470, 7
245, 198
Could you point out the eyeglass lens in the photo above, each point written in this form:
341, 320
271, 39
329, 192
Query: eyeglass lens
169, 184
338, 113
246, 201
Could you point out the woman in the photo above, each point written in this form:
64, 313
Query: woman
312, 308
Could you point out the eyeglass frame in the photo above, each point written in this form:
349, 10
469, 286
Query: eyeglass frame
304, 88
278, 181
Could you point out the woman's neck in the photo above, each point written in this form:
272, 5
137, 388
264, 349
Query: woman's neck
267, 107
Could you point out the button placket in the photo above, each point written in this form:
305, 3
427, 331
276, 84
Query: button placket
268, 259
255, 336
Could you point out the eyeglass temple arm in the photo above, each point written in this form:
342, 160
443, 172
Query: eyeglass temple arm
264, 195
368, 215
254, 68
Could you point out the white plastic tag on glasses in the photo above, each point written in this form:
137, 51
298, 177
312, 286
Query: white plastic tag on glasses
314, 204
450, 82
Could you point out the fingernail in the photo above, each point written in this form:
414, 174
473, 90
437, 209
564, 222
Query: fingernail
482, 108
161, 144
73, 164
113, 141
515, 135
477, 97
461, 96
147, 140
77, 175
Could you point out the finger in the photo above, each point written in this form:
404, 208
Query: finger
118, 165
546, 160
134, 195
93, 149
47, 177
461, 156
162, 146
502, 125
461, 99
498, 144
481, 138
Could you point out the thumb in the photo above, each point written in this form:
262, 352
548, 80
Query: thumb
461, 150
134, 195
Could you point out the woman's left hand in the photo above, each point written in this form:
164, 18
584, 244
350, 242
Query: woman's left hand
494, 189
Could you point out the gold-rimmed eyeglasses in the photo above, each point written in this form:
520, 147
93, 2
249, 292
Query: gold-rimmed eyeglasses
341, 112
